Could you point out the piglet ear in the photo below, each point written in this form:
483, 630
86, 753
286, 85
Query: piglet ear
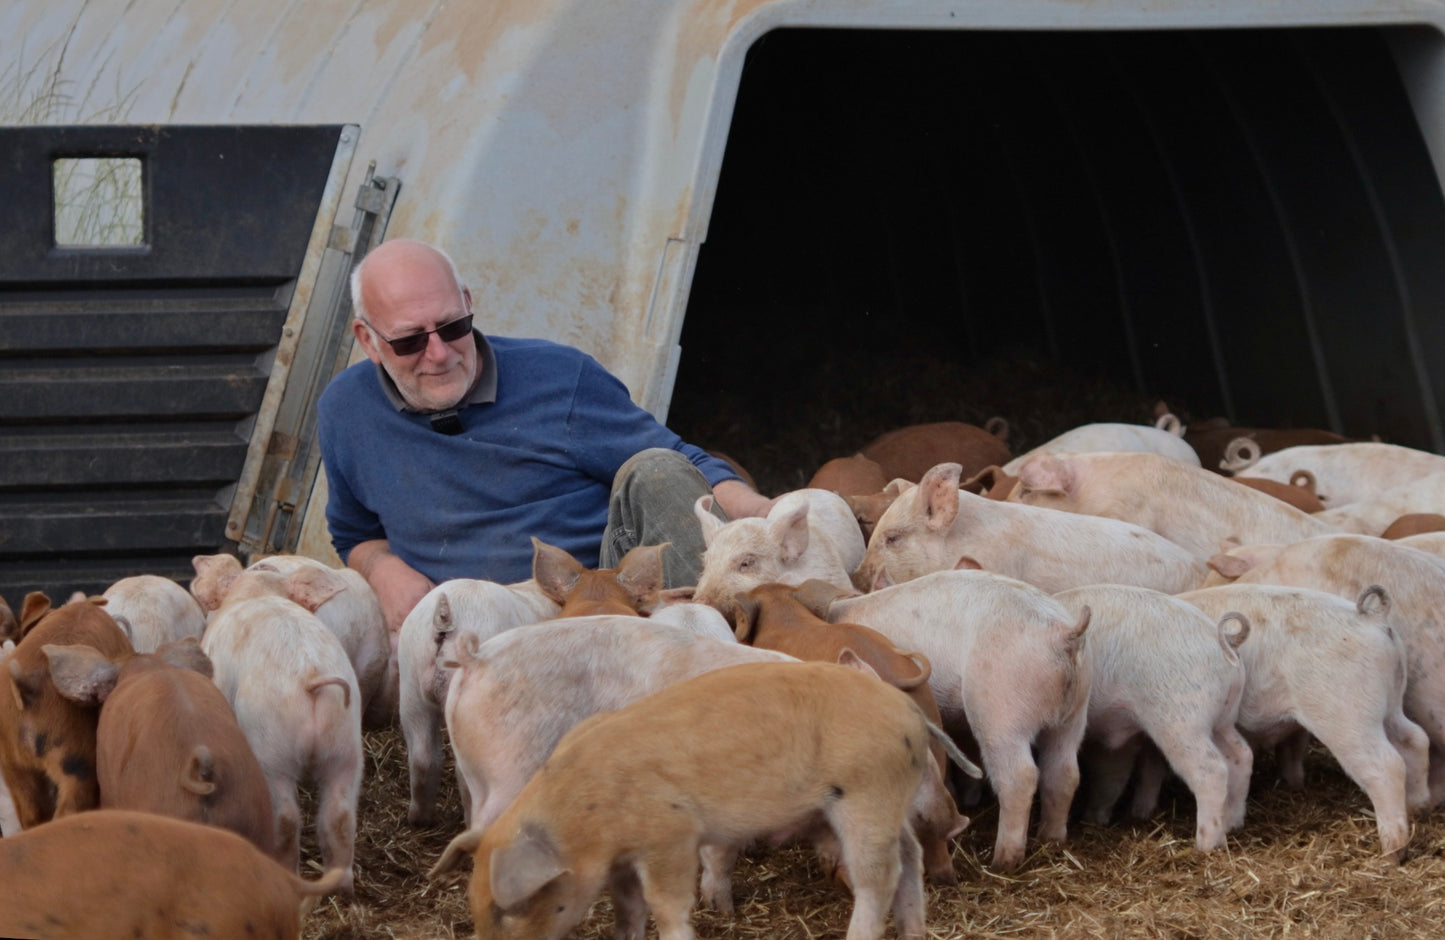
938, 491
818, 595
554, 569
1046, 474
35, 606
1229, 566
848, 657
791, 533
186, 653
312, 587
522, 868
710, 523
981, 482
215, 574
674, 595
81, 673
745, 617
898, 486
640, 573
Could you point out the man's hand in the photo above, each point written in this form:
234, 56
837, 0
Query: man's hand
738, 499
398, 586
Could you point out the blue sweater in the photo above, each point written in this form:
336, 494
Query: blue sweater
539, 460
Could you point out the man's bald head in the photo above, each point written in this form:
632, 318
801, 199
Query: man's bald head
404, 288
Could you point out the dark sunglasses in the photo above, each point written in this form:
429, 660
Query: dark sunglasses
413, 343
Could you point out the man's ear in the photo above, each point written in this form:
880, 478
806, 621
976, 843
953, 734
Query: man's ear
366, 340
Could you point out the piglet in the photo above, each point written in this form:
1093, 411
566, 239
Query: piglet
47, 741
1344, 473
517, 693
909, 451
1186, 504
428, 637
1007, 667
1163, 438
1299, 492
119, 874
1165, 672
167, 741
154, 611
854, 475
1375, 514
294, 693
1218, 443
351, 612
629, 797
1319, 664
935, 524
632, 587
807, 534
1414, 580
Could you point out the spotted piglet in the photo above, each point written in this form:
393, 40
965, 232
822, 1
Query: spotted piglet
47, 742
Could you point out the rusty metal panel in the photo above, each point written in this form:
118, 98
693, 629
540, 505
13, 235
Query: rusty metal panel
131, 376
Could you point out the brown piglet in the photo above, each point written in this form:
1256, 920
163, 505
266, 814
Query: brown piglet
168, 741
117, 874
629, 797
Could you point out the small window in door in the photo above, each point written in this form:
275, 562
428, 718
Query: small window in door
99, 202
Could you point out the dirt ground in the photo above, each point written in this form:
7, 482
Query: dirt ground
1304, 865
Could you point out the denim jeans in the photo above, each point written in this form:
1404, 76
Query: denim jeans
652, 499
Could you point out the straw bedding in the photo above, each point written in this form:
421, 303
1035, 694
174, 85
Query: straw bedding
1305, 864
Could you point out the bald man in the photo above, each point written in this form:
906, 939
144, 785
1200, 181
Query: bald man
449, 449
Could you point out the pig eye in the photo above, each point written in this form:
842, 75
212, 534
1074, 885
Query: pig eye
892, 538
747, 562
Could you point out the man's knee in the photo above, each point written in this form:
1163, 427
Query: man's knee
656, 463
653, 496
